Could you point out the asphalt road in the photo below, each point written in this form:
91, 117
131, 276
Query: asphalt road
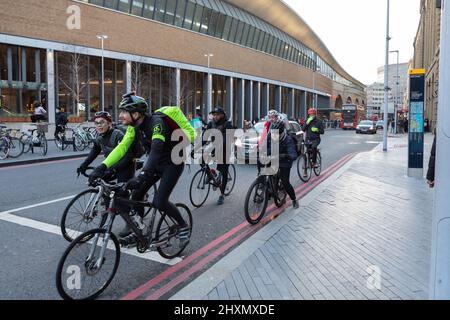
31, 248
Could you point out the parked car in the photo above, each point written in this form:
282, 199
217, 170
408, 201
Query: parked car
380, 124
366, 126
246, 146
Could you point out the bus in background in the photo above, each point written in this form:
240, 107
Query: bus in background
351, 116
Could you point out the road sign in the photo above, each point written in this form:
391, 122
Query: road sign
416, 121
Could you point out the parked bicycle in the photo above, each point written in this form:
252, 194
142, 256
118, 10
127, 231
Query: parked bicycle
36, 140
61, 139
87, 210
208, 177
265, 187
95, 255
10, 144
305, 165
83, 137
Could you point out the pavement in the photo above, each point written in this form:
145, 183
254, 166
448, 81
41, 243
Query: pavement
363, 234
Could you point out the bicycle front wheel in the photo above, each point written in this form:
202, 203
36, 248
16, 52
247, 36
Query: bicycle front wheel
15, 147
81, 214
304, 170
167, 233
256, 201
199, 189
318, 168
4, 148
43, 145
231, 180
87, 268
79, 143
59, 141
281, 195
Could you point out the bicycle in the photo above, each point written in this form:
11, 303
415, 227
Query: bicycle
12, 147
83, 137
99, 248
87, 210
61, 140
205, 178
32, 141
265, 186
305, 166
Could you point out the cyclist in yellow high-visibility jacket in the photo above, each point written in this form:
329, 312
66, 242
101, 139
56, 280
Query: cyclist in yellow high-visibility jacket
313, 128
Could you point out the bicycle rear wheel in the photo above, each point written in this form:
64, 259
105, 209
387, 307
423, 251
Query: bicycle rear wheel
43, 145
199, 189
231, 180
256, 201
79, 143
167, 233
15, 147
26, 141
80, 274
4, 148
59, 141
304, 170
81, 214
318, 169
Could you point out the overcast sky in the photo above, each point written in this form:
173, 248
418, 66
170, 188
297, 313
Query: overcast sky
355, 31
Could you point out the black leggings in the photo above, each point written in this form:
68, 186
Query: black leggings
169, 177
223, 169
314, 146
285, 174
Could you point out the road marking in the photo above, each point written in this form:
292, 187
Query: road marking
53, 229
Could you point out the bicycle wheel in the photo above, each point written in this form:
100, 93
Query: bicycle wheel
15, 147
281, 195
167, 233
318, 169
304, 168
231, 180
80, 274
26, 141
4, 148
43, 145
199, 189
59, 141
256, 201
82, 214
79, 143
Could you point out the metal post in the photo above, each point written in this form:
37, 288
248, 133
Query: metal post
386, 83
440, 253
396, 92
209, 84
102, 38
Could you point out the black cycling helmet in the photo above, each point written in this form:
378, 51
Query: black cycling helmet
133, 103
103, 114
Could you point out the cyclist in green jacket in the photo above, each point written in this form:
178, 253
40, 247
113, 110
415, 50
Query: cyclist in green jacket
152, 133
313, 128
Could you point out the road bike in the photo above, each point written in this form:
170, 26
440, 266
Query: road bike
265, 187
90, 262
305, 166
208, 177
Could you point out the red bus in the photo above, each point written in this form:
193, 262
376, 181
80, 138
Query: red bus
351, 116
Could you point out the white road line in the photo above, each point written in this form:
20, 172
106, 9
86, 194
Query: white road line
37, 205
50, 228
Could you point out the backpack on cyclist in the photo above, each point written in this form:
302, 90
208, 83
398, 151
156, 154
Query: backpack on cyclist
175, 119
297, 141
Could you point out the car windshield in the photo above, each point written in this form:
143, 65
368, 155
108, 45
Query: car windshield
366, 123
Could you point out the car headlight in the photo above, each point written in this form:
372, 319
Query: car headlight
358, 127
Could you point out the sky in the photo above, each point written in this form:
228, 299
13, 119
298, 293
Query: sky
355, 31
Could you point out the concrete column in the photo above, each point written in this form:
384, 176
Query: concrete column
229, 98
257, 101
24, 65
291, 103
278, 98
51, 85
241, 103
128, 76
178, 86
303, 104
248, 100
209, 93
9, 63
440, 246
264, 100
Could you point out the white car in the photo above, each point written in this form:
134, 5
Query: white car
366, 126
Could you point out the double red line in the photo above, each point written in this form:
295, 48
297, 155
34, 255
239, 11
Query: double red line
272, 212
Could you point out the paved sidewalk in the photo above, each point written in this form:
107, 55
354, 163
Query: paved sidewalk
365, 233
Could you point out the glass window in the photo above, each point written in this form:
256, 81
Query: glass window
244, 34
232, 34
254, 44
262, 35
213, 23
220, 25
160, 6
30, 64
124, 5
197, 22
239, 30
3, 63
251, 33
112, 4
205, 20
170, 11
227, 27
136, 8
149, 7
181, 7
96, 2
189, 15
270, 44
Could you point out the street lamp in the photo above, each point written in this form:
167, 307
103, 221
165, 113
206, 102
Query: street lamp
102, 37
386, 84
396, 93
209, 56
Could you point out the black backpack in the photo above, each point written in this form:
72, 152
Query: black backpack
297, 141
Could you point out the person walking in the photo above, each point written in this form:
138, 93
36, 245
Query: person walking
431, 165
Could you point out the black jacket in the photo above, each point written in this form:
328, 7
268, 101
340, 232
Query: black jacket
61, 119
307, 128
222, 126
431, 164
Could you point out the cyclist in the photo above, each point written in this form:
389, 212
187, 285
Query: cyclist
220, 122
151, 132
313, 128
60, 121
287, 152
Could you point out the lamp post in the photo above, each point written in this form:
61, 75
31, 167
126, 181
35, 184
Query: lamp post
209, 94
102, 37
396, 93
386, 84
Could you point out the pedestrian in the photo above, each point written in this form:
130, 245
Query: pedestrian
431, 165
335, 124
39, 112
405, 126
426, 125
